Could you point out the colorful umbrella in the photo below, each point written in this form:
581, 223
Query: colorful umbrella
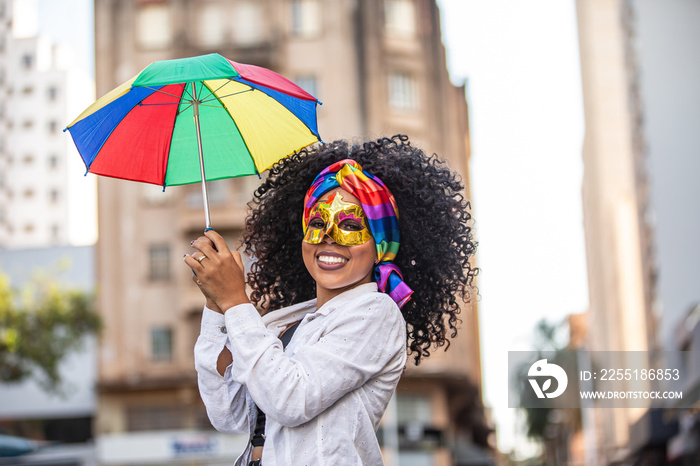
195, 119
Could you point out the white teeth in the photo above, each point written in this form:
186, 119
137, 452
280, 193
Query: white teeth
332, 259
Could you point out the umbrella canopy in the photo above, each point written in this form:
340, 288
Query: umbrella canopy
195, 119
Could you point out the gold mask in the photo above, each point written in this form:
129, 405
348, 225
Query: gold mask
344, 222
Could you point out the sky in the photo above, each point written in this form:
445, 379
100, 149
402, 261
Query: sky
522, 66
70, 22
526, 120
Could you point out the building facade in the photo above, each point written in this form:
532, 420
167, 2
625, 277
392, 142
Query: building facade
379, 69
44, 200
639, 67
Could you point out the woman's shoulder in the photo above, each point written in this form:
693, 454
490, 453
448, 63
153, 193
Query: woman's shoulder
374, 303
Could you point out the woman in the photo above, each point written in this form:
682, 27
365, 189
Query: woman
328, 260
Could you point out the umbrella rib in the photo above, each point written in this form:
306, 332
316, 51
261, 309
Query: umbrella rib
183, 110
185, 90
229, 95
162, 92
190, 105
220, 87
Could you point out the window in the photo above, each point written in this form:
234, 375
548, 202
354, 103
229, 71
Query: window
416, 458
159, 262
216, 192
413, 409
27, 90
53, 195
414, 416
142, 418
28, 159
27, 61
53, 162
55, 230
306, 17
52, 93
28, 193
154, 195
400, 18
153, 30
308, 83
161, 344
53, 126
212, 25
403, 91
27, 124
248, 28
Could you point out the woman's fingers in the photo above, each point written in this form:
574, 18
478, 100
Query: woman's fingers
219, 271
218, 240
205, 246
213, 246
192, 261
237, 258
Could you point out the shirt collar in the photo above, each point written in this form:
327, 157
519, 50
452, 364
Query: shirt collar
346, 296
285, 316
281, 318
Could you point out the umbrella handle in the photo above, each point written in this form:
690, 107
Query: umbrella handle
195, 110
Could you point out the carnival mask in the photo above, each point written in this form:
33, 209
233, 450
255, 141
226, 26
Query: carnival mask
344, 222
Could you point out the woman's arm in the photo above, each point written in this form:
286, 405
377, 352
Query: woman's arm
224, 398
366, 338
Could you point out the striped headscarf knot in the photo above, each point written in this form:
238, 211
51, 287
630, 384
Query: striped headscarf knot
382, 215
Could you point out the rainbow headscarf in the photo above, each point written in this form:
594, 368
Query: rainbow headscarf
382, 214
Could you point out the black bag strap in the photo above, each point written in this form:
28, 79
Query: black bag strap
287, 335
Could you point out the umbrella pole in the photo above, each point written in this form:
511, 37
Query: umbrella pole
205, 197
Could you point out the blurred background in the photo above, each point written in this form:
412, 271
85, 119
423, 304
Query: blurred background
572, 123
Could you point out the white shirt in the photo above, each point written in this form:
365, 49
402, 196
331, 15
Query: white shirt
324, 397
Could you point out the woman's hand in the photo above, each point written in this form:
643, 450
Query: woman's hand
219, 272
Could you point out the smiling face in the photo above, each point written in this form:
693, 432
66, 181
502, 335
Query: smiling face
338, 250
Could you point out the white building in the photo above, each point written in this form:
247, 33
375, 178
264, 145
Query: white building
44, 199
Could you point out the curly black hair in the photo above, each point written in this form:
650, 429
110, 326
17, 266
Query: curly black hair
436, 249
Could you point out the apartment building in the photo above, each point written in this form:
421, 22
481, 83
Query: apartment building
639, 68
44, 200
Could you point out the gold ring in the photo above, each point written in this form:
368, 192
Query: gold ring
201, 258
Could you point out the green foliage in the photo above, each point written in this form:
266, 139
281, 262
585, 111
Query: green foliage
39, 326
549, 337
